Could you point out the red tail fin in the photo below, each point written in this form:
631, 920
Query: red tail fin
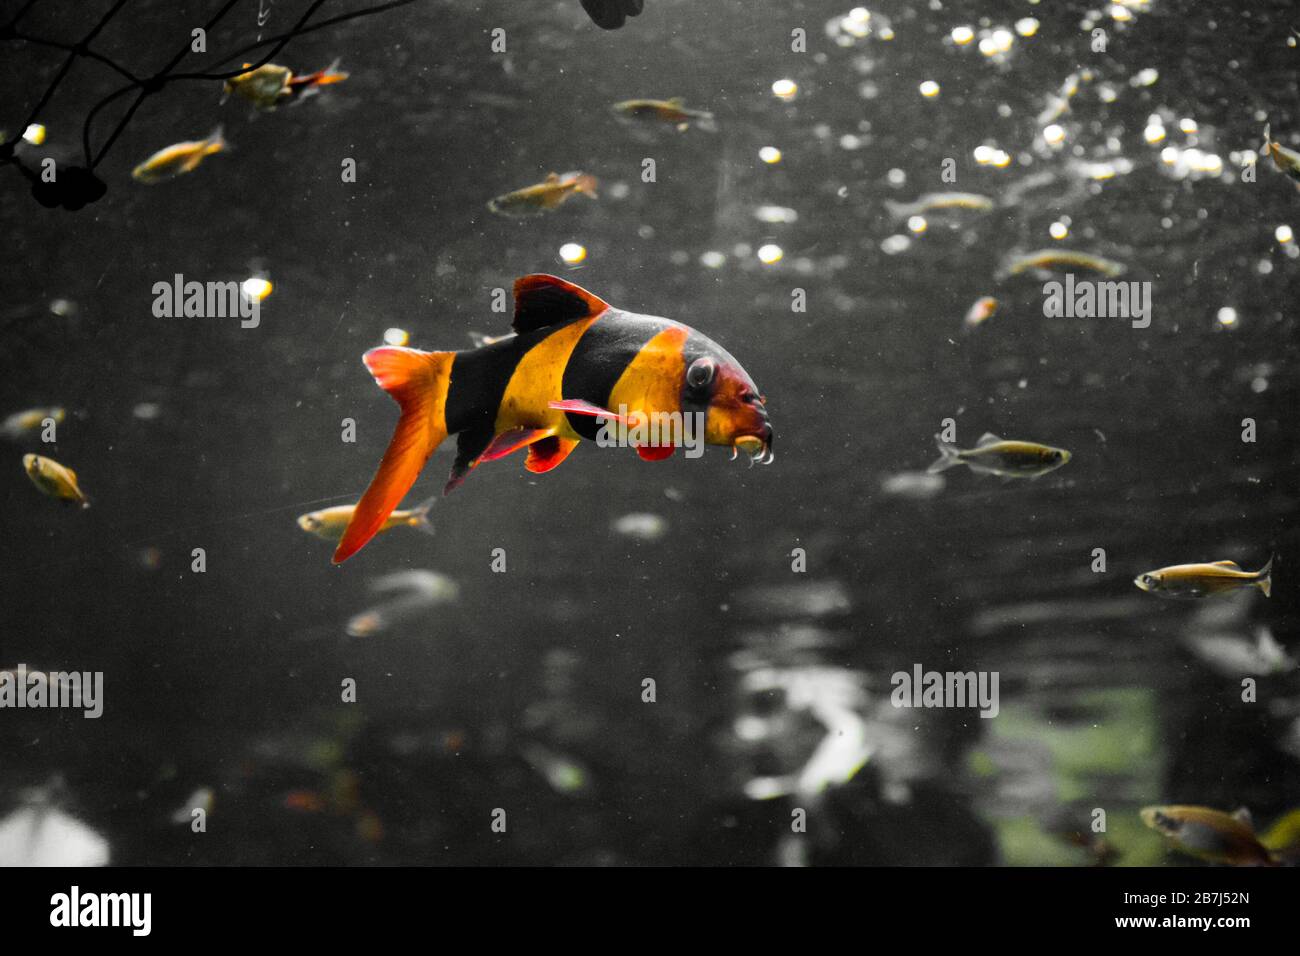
418, 383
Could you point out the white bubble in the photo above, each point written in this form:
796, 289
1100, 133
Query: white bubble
573, 253
1283, 234
785, 89
1227, 317
991, 156
255, 288
769, 155
396, 336
962, 35
895, 244
1058, 230
770, 254
929, 89
1054, 134
775, 214
917, 224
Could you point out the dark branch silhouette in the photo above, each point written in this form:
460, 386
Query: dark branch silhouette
612, 14
78, 186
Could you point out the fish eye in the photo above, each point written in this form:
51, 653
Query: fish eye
701, 372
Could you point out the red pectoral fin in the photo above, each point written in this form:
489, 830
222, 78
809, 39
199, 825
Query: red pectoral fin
513, 440
576, 406
655, 452
546, 454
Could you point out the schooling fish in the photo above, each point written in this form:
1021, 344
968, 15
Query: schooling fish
980, 312
21, 424
574, 364
1203, 580
53, 479
328, 523
179, 158
934, 202
1055, 259
1283, 837
995, 456
672, 112
543, 197
1210, 835
1287, 160
270, 83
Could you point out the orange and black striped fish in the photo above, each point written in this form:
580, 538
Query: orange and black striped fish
573, 364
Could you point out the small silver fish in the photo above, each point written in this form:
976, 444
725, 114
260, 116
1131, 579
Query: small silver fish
1285, 159
1204, 580
21, 424
996, 456
937, 202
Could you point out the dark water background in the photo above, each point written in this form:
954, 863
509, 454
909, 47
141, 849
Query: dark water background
525, 693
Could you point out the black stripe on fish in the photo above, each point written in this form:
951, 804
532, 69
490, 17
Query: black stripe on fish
601, 357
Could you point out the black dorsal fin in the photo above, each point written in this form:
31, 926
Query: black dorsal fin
542, 300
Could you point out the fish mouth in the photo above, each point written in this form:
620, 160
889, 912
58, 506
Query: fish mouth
757, 447
1143, 585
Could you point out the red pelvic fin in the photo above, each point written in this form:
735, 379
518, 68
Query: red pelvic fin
512, 441
546, 454
576, 406
418, 383
456, 478
655, 452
